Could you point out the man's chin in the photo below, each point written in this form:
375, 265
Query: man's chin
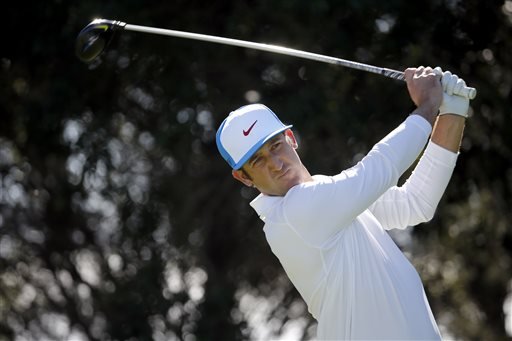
289, 183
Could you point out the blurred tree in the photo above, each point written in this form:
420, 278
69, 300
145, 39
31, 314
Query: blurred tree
118, 219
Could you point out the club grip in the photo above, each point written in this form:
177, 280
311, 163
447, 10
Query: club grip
467, 92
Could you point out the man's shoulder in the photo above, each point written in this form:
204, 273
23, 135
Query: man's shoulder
305, 187
303, 195
296, 199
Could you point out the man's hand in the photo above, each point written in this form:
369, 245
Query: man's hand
449, 129
426, 92
452, 103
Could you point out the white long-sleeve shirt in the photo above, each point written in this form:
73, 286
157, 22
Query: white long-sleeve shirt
329, 235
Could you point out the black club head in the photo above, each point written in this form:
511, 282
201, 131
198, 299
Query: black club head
95, 37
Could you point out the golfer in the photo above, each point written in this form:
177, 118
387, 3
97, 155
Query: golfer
329, 232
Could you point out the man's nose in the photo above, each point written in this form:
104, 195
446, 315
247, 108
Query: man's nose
276, 164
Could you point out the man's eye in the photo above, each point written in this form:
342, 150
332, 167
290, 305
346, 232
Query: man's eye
276, 145
256, 161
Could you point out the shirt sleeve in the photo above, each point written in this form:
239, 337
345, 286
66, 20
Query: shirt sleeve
318, 210
416, 201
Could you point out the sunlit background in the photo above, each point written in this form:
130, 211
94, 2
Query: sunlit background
120, 221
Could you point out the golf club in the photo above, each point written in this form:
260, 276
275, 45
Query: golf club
96, 36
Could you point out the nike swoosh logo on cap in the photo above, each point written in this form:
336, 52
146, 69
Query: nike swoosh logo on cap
248, 131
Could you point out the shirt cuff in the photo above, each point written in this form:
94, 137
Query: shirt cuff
420, 122
441, 154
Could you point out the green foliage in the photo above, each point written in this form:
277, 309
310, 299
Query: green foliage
120, 221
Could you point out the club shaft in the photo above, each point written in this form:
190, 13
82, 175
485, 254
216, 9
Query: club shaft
466, 92
269, 48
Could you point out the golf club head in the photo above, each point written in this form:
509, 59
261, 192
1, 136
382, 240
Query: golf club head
95, 37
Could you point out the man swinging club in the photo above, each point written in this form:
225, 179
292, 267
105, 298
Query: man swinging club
329, 231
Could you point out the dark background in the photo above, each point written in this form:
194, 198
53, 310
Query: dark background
120, 221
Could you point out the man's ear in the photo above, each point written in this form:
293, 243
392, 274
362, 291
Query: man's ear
242, 177
290, 138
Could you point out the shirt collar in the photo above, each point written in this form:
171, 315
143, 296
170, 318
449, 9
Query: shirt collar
263, 204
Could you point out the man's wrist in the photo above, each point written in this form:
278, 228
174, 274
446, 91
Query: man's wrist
455, 105
448, 132
428, 113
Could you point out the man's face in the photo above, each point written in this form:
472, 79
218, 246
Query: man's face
275, 167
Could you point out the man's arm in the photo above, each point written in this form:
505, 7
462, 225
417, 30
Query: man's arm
318, 210
448, 131
449, 126
417, 199
322, 208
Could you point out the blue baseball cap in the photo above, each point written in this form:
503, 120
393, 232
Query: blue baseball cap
244, 131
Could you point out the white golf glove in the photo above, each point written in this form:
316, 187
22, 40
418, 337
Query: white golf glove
452, 103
